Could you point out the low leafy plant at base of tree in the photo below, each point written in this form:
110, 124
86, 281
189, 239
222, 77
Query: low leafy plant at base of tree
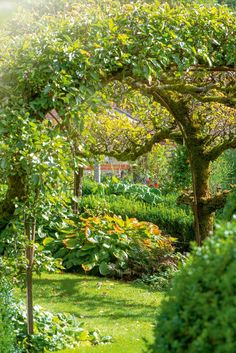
110, 246
52, 331
199, 315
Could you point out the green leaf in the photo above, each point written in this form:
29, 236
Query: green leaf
47, 241
104, 269
120, 254
88, 266
70, 243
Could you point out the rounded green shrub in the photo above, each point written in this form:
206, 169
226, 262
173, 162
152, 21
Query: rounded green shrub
199, 315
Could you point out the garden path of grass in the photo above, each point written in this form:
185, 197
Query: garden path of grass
122, 310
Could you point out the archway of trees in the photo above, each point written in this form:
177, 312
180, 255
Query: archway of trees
182, 58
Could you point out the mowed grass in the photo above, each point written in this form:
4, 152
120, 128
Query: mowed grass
122, 310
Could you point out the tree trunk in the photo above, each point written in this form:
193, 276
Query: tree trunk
30, 234
78, 183
16, 189
203, 217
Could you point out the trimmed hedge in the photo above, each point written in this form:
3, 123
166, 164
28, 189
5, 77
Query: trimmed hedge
171, 219
199, 315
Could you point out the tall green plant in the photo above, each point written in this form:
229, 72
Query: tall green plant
32, 167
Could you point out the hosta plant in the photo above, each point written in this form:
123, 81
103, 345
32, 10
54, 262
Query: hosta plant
52, 332
109, 245
150, 195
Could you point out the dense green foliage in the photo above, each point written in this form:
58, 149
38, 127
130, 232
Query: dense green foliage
111, 246
150, 195
171, 219
159, 281
7, 336
224, 171
52, 331
200, 313
12, 251
227, 2
172, 67
179, 168
230, 207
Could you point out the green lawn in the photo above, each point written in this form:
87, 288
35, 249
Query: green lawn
122, 310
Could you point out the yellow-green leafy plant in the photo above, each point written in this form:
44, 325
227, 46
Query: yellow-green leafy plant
109, 245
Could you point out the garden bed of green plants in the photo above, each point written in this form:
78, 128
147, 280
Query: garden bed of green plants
125, 311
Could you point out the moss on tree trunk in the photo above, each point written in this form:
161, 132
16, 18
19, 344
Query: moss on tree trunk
203, 216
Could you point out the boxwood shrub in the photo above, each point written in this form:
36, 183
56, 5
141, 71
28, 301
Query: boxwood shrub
199, 315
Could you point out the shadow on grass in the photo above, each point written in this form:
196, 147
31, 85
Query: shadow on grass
94, 298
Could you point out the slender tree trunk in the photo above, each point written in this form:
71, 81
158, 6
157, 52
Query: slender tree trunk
203, 217
78, 183
30, 234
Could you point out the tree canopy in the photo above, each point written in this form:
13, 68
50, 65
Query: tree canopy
178, 61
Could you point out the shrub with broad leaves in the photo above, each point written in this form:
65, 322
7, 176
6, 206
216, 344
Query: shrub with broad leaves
147, 194
111, 246
52, 331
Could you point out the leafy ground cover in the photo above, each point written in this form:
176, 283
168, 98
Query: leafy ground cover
125, 311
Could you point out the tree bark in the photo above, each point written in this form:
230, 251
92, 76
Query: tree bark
203, 216
78, 183
30, 234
